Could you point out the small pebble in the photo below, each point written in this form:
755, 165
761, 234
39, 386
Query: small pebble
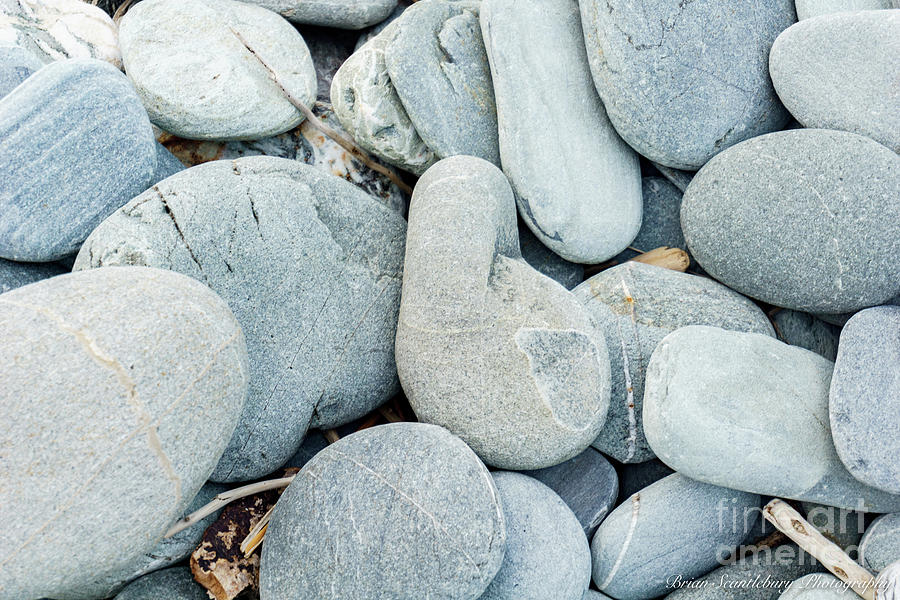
661, 225
342, 14
807, 331
16, 274
171, 584
880, 545
548, 262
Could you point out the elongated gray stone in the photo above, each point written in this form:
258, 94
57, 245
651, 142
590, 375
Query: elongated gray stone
487, 347
341, 14
865, 397
801, 219
660, 65
636, 306
577, 184
587, 484
407, 499
548, 262
880, 544
16, 274
661, 224
16, 65
368, 107
56, 187
171, 584
840, 71
807, 331
437, 63
154, 379
547, 554
818, 586
677, 526
746, 411
311, 267
813, 8
210, 82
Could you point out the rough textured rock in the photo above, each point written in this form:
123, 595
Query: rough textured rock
803, 219
419, 512
437, 63
487, 347
547, 261
16, 274
16, 64
342, 14
661, 224
713, 395
311, 267
198, 67
547, 554
368, 107
818, 586
171, 584
813, 8
56, 188
154, 378
577, 184
865, 397
587, 484
840, 71
676, 526
637, 305
880, 545
57, 29
661, 66
807, 331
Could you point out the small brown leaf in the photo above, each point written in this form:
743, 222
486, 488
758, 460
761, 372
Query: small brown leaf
675, 259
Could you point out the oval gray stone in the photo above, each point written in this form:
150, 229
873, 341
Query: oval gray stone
880, 544
865, 397
170, 584
395, 511
636, 306
803, 219
16, 65
807, 331
341, 14
813, 8
57, 187
547, 554
487, 347
211, 83
16, 274
311, 267
840, 71
818, 586
577, 184
746, 411
154, 379
660, 65
547, 261
676, 526
661, 224
438, 65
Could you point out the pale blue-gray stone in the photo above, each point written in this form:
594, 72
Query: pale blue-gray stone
880, 545
75, 145
802, 219
865, 397
176, 583
813, 8
594, 595
548, 262
577, 184
661, 224
401, 511
166, 164
676, 526
807, 331
818, 586
16, 274
678, 178
746, 411
311, 267
16, 65
340, 14
636, 306
682, 81
547, 554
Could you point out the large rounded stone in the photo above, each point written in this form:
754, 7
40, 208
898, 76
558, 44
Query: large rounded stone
636, 306
676, 526
577, 184
812, 8
171, 584
487, 347
56, 187
437, 63
746, 411
395, 511
880, 544
311, 267
865, 397
682, 81
840, 71
201, 67
342, 14
803, 219
547, 554
144, 374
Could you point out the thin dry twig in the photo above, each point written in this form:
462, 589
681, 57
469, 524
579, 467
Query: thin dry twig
256, 535
123, 8
331, 436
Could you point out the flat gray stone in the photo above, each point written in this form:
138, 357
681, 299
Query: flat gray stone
661, 224
16, 65
16, 274
368, 107
807, 331
341, 14
677, 526
311, 267
547, 554
205, 82
864, 401
171, 584
438, 65
880, 545
587, 484
818, 586
577, 184
813, 8
407, 500
144, 372
487, 347
167, 164
746, 411
840, 71
802, 219
633, 477
548, 262
636, 305
660, 65
75, 145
